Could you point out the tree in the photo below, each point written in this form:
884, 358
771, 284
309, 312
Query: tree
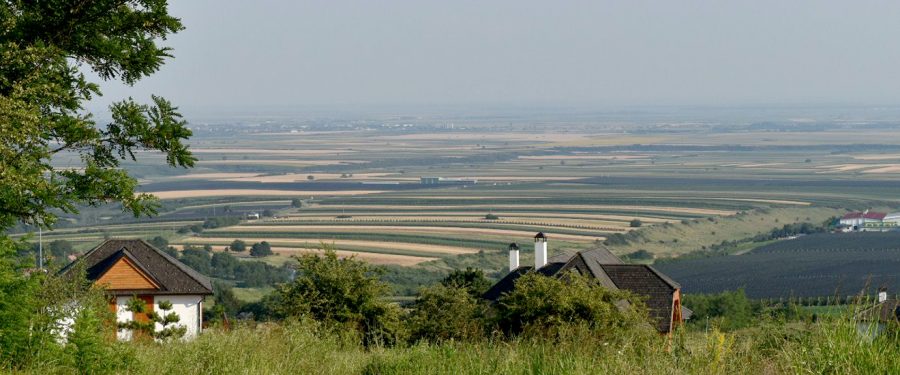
43, 46
542, 305
471, 280
296, 203
238, 245
491, 216
61, 249
261, 249
345, 292
446, 313
635, 223
268, 213
159, 242
310, 177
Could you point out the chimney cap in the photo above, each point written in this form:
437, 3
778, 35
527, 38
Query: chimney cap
540, 236
513, 246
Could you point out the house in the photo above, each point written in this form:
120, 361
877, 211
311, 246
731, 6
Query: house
134, 268
857, 220
872, 321
662, 293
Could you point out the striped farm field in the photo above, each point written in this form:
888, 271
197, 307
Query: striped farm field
560, 207
477, 242
404, 230
370, 257
400, 248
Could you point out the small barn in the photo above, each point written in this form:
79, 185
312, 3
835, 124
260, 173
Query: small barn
663, 294
134, 268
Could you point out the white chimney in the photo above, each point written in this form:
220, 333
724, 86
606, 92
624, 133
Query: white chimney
540, 250
882, 295
513, 256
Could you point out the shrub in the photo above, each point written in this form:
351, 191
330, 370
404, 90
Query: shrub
491, 217
238, 245
640, 255
296, 203
471, 280
545, 305
635, 223
446, 313
344, 293
261, 249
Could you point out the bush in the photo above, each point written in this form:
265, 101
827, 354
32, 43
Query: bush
344, 293
491, 217
471, 280
261, 249
296, 203
446, 313
544, 305
238, 245
640, 255
635, 223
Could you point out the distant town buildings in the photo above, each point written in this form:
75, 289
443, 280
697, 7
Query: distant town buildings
870, 221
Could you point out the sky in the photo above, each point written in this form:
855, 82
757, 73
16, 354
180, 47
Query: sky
589, 54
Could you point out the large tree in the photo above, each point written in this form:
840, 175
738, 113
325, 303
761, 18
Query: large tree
45, 48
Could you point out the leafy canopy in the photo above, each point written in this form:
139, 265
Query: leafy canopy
44, 48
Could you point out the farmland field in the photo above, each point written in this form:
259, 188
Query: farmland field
689, 186
816, 265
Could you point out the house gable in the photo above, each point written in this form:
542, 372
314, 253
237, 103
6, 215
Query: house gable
124, 274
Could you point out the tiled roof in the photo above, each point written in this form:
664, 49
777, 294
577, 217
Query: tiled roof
173, 276
864, 215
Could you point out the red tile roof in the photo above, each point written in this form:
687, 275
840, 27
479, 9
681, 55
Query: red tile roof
865, 215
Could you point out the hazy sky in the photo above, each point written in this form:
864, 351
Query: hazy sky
346, 54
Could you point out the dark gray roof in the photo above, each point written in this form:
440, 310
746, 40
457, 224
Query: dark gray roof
612, 273
643, 280
172, 276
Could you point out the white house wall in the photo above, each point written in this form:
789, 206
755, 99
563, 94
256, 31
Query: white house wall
188, 309
123, 316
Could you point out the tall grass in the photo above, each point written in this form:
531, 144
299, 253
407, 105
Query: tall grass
831, 346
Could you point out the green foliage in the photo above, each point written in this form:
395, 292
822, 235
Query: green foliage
729, 310
640, 255
225, 266
296, 203
491, 217
238, 245
344, 292
42, 92
635, 223
447, 313
545, 305
261, 249
472, 280
166, 318
220, 222
159, 242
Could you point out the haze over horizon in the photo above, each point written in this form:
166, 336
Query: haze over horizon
347, 55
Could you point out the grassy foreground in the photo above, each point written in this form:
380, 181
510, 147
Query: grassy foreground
829, 346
